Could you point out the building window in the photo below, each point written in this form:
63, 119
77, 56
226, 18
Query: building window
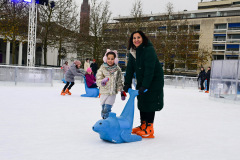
220, 26
218, 57
232, 47
231, 56
162, 28
234, 26
236, 2
234, 36
219, 47
219, 37
121, 55
195, 27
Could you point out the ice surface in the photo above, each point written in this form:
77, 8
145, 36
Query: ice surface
36, 123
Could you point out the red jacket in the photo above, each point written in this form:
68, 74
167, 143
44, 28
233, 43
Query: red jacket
90, 79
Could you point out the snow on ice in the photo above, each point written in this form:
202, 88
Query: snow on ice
36, 123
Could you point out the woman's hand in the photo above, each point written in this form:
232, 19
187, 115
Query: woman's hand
142, 90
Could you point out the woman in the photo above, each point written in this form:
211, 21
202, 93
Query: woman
149, 74
86, 65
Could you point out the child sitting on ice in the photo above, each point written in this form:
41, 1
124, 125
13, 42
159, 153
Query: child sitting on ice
90, 79
109, 79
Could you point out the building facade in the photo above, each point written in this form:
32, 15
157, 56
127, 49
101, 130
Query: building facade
84, 17
217, 24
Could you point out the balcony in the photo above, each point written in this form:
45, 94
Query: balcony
219, 41
218, 50
232, 52
233, 31
220, 30
233, 40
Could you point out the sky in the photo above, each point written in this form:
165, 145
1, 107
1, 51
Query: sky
123, 7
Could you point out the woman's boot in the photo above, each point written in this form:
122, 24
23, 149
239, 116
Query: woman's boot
139, 128
147, 132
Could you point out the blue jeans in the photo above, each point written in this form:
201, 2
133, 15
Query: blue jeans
106, 109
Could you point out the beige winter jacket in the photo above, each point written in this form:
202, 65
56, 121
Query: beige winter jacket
114, 84
86, 66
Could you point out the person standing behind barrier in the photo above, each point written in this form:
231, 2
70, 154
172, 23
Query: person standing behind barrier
208, 75
202, 77
65, 68
86, 65
94, 67
109, 80
71, 73
144, 62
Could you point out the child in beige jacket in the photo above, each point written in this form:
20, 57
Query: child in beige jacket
109, 80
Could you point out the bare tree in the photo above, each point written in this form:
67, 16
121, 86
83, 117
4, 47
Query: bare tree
93, 44
204, 55
177, 45
2, 2
46, 27
137, 12
168, 39
66, 26
13, 23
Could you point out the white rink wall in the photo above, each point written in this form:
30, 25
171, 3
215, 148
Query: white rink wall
225, 80
18, 75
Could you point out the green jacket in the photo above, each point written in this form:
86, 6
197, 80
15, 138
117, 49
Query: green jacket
149, 74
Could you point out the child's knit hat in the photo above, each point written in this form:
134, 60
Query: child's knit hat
89, 69
105, 56
76, 62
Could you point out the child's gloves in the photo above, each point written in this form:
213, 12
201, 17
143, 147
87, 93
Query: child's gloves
123, 95
104, 81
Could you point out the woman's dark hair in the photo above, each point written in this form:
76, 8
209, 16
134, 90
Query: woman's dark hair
144, 37
87, 59
112, 53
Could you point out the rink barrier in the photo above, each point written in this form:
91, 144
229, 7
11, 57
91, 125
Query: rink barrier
40, 76
225, 80
17, 75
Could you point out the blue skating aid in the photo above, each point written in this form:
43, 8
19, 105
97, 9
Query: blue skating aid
64, 80
205, 82
118, 129
90, 92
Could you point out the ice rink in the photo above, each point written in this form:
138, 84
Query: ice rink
36, 123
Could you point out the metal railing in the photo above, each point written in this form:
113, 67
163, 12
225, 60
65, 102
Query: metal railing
180, 81
31, 75
17, 75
